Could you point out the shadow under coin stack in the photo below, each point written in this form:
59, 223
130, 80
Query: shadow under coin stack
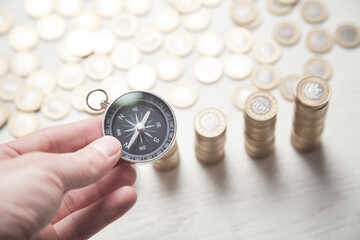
170, 160
210, 134
312, 96
260, 117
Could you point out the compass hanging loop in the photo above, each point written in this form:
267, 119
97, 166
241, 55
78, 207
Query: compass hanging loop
103, 104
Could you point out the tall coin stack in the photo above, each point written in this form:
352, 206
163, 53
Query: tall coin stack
210, 134
170, 160
311, 96
260, 118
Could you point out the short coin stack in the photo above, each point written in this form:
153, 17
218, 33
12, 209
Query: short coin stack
170, 160
311, 96
210, 133
260, 117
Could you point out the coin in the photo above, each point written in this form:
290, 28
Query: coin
141, 77
318, 67
169, 68
179, 43
243, 12
208, 70
211, 3
210, 123
105, 41
28, 99
241, 93
65, 55
23, 38
170, 160
197, 21
287, 85
138, 7
314, 11
286, 33
261, 106
56, 106
278, 8
125, 56
183, 94
4, 65
319, 41
6, 20
42, 80
21, 123
114, 86
22, 64
267, 51
265, 77
186, 6
209, 44
148, 40
78, 97
348, 35
69, 76
165, 19
108, 8
38, 8
80, 42
9, 84
238, 66
98, 67
239, 40
50, 27
288, 2
125, 25
86, 19
5, 113
68, 8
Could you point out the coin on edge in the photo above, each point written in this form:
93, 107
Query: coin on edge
267, 51
56, 106
9, 84
28, 99
238, 66
287, 85
318, 67
239, 40
241, 93
21, 123
314, 11
286, 33
183, 94
125, 56
23, 38
208, 70
319, 41
141, 77
348, 35
169, 68
265, 77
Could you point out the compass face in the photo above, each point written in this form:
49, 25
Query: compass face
143, 123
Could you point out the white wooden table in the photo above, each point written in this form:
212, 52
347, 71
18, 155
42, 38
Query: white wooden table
287, 196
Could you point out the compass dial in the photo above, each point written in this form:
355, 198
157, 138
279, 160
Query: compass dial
143, 123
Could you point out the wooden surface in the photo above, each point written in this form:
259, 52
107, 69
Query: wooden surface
287, 196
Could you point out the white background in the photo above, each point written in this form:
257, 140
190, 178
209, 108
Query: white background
287, 196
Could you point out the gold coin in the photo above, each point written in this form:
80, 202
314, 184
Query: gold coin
267, 51
314, 11
183, 94
261, 106
278, 8
239, 40
240, 95
98, 67
28, 99
9, 84
286, 33
210, 123
288, 2
243, 12
312, 92
318, 67
287, 85
348, 35
148, 39
43, 80
265, 77
319, 41
56, 106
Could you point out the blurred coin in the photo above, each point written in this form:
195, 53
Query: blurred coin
287, 85
183, 94
42, 80
98, 67
38, 8
165, 19
209, 44
125, 56
318, 67
319, 41
267, 51
115, 86
238, 66
86, 19
239, 40
78, 97
141, 77
187, 6
28, 99
243, 12
278, 8
21, 123
288, 2
286, 33
265, 77
80, 42
197, 21
348, 35
68, 8
23, 38
208, 69
211, 3
138, 7
125, 25
4, 65
4, 113
108, 8
169, 68
65, 55
179, 43
9, 84
314, 11
240, 95
105, 41
56, 106
148, 40
50, 27
22, 64
69, 76
6, 20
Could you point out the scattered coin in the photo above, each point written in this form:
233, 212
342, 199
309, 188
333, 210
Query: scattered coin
98, 67
238, 66
114, 86
240, 95
209, 44
5, 113
278, 8
318, 67
4, 65
319, 41
348, 35
183, 94
170, 160
244, 12
86, 19
211, 3
166, 19
42, 80
68, 8
125, 56
125, 25
208, 70
6, 21
265, 77
9, 84
287, 85
169, 68
141, 77
22, 64
108, 8
38, 8
65, 55
288, 2
267, 51
28, 99
187, 6
314, 11
69, 76
148, 40
239, 40
23, 38
50, 27
105, 41
286, 33
80, 42
197, 21
21, 123
138, 7
179, 43
56, 106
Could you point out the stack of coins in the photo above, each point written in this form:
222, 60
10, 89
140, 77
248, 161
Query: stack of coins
170, 160
311, 96
210, 133
260, 118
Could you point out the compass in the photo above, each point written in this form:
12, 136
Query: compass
143, 122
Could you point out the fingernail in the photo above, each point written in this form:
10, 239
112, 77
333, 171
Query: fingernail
109, 146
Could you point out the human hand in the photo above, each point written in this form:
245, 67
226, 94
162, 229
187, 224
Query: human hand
61, 183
